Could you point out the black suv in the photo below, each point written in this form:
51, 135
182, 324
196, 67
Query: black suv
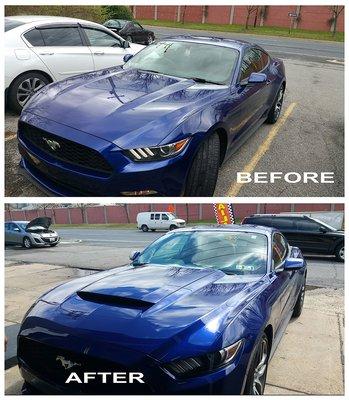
309, 234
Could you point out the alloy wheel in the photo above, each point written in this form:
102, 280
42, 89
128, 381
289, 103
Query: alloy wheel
278, 104
341, 253
150, 39
260, 372
27, 88
27, 243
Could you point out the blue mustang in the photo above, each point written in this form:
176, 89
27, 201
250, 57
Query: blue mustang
162, 124
199, 311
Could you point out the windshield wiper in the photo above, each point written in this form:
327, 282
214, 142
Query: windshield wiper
202, 80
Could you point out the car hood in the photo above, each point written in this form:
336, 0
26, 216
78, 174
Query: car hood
44, 222
130, 108
145, 307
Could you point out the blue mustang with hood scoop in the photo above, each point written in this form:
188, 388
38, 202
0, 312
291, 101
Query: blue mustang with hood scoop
157, 125
186, 317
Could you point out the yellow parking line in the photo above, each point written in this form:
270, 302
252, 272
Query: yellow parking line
262, 149
10, 137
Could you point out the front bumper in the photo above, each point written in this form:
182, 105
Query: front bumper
162, 178
43, 241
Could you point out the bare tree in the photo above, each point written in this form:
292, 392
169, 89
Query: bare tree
127, 213
83, 207
183, 14
336, 11
250, 10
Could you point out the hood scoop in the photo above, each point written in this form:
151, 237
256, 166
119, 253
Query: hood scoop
117, 301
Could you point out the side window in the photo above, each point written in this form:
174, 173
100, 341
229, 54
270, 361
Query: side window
61, 37
6, 226
283, 223
137, 26
265, 59
157, 217
251, 62
151, 216
34, 37
307, 225
164, 217
280, 249
101, 38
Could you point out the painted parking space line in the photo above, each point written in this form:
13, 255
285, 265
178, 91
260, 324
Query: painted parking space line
262, 149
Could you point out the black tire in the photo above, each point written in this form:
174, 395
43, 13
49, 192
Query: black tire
27, 244
275, 111
23, 81
129, 39
297, 311
202, 176
339, 252
252, 386
172, 227
153, 230
144, 228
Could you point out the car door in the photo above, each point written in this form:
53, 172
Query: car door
15, 234
157, 221
283, 281
106, 48
61, 49
138, 32
251, 101
165, 221
311, 236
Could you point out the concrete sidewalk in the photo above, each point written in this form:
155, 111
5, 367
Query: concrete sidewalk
309, 359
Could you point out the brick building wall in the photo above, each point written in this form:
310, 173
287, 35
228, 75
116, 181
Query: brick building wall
191, 212
315, 18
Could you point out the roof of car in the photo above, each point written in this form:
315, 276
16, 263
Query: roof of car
19, 222
45, 18
278, 215
220, 41
232, 227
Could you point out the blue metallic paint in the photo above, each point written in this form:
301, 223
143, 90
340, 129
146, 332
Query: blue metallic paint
115, 109
195, 311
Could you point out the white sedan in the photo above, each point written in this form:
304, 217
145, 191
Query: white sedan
41, 49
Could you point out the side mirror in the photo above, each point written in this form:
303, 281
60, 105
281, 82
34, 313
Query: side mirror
256, 78
322, 229
125, 44
127, 57
293, 264
134, 255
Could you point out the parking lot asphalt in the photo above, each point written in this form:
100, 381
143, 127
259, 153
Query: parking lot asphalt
310, 138
309, 359
100, 249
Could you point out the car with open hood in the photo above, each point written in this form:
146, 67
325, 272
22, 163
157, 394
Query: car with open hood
199, 311
161, 124
34, 233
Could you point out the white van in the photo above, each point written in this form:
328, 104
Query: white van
158, 220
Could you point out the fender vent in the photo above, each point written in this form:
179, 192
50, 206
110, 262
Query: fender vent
115, 300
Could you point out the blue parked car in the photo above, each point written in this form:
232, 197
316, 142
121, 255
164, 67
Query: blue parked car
199, 311
162, 124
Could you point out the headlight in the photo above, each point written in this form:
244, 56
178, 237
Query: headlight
157, 153
202, 364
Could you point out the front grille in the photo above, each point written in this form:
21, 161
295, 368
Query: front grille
64, 149
42, 359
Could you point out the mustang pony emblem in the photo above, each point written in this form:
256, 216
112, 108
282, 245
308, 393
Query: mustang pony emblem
66, 364
52, 144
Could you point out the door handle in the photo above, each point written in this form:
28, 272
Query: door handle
98, 53
47, 54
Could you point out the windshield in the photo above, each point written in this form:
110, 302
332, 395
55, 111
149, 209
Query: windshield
206, 62
331, 228
234, 253
11, 23
115, 23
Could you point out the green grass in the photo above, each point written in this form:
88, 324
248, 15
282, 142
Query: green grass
259, 30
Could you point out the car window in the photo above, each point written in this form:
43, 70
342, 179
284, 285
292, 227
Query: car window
307, 225
6, 225
164, 217
34, 37
251, 62
280, 249
101, 38
265, 59
137, 26
61, 36
282, 223
151, 216
157, 216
